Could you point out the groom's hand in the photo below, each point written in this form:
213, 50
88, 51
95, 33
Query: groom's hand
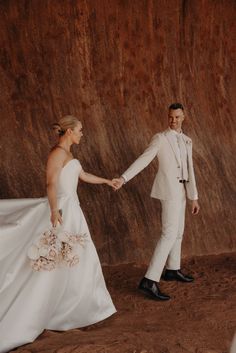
118, 182
195, 207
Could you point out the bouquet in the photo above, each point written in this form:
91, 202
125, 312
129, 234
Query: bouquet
55, 247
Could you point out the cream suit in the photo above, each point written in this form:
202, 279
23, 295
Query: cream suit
172, 194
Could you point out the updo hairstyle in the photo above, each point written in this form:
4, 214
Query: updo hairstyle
65, 123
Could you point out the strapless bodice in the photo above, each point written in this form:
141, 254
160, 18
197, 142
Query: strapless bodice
68, 179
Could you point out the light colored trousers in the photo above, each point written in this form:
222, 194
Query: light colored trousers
168, 249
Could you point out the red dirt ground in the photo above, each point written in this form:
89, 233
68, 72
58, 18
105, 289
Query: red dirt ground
200, 317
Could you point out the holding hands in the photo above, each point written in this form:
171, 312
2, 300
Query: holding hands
118, 183
112, 183
115, 183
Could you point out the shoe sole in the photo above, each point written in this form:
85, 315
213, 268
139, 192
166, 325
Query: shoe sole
177, 280
150, 296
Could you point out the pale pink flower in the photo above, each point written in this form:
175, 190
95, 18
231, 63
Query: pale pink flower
56, 247
33, 252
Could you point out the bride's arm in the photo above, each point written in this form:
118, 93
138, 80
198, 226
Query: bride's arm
54, 166
93, 179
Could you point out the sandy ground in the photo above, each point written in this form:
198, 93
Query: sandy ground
200, 317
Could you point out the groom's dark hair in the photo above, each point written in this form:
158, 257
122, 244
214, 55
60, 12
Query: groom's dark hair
174, 106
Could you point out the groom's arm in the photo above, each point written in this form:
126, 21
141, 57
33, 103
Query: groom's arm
191, 187
141, 162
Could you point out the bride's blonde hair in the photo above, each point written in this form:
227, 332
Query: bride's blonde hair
67, 122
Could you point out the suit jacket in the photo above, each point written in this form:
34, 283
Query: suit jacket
166, 185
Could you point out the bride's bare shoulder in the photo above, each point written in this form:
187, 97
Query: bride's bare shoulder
56, 156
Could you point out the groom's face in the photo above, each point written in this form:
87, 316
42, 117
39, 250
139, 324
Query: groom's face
176, 118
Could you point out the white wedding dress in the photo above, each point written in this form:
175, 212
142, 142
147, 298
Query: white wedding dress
61, 299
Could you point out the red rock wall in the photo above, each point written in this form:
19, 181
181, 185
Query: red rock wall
117, 65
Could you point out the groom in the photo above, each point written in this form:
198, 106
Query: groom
174, 180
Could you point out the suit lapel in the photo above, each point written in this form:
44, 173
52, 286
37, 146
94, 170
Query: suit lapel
188, 145
172, 143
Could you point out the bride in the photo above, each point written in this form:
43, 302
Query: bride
50, 277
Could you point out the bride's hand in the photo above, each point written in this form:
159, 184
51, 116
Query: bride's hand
56, 218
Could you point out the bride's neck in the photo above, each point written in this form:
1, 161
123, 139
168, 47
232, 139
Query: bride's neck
65, 144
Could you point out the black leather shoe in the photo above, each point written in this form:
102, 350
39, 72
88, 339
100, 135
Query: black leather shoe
176, 275
150, 288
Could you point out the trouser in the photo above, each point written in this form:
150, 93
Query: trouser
168, 249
